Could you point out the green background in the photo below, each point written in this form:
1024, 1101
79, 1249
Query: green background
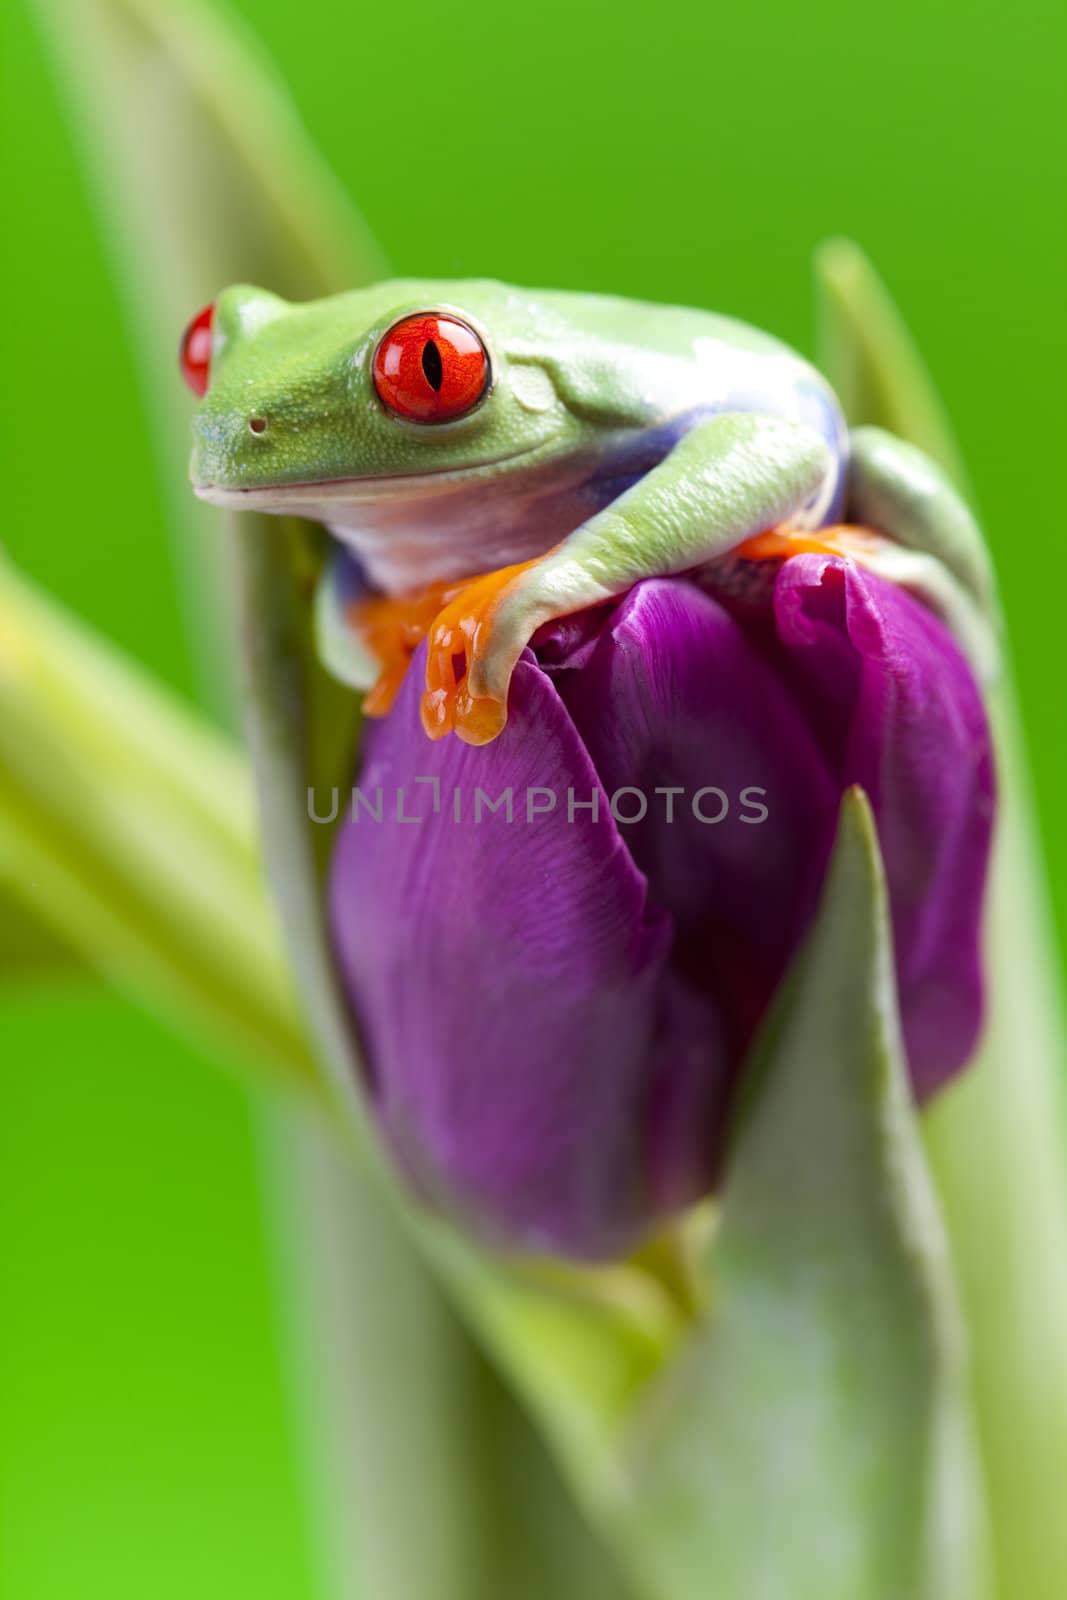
682, 152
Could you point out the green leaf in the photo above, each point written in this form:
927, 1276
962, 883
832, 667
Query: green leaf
202, 159
812, 1442
997, 1141
28, 949
997, 1138
127, 831
865, 349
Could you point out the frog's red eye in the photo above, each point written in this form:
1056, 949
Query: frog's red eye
194, 354
430, 367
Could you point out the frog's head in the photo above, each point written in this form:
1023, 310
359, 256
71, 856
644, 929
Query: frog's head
354, 396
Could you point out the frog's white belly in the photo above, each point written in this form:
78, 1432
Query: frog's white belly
446, 531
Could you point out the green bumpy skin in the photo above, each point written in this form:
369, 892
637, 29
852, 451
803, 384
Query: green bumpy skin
614, 441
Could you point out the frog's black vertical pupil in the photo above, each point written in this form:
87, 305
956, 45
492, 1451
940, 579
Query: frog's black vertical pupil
432, 365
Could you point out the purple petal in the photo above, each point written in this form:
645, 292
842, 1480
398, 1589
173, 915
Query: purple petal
506, 976
898, 711
675, 694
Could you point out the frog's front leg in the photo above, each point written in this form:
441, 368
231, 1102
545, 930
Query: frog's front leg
726, 479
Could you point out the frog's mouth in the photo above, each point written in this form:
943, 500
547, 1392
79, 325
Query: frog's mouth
326, 491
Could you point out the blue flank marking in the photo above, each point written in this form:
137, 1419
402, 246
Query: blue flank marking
817, 409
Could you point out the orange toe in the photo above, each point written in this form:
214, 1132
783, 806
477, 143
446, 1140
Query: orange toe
462, 631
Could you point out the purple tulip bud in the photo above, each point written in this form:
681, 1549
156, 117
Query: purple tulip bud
559, 965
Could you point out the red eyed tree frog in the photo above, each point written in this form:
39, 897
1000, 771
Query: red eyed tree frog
558, 447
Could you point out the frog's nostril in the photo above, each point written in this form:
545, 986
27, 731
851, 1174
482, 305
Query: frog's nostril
257, 424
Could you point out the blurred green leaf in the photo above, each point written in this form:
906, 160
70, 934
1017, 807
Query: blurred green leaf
812, 1442
866, 350
202, 159
127, 831
28, 949
997, 1138
997, 1141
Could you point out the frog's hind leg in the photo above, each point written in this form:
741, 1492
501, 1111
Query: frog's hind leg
937, 548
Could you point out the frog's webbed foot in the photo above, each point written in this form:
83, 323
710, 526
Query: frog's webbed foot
475, 641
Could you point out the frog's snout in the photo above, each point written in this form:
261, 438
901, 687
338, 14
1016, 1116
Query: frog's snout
228, 452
